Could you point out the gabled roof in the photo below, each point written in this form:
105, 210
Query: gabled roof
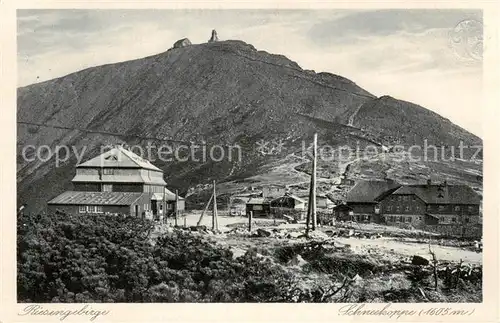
294, 197
369, 191
257, 200
119, 157
441, 194
96, 198
169, 196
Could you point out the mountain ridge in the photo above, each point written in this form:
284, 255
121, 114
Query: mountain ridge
218, 92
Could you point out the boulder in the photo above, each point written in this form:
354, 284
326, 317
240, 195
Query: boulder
263, 233
330, 232
214, 37
237, 252
198, 228
419, 261
318, 235
184, 42
357, 279
297, 261
295, 234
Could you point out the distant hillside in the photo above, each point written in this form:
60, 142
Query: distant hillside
221, 93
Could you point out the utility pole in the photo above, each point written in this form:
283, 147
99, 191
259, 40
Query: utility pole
164, 206
214, 211
309, 208
313, 179
250, 216
205, 210
176, 206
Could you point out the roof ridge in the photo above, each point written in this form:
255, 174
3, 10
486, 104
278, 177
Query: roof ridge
132, 156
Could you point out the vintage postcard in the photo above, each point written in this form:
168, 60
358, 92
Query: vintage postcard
249, 162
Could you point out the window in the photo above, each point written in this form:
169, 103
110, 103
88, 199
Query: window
400, 197
405, 198
467, 220
417, 208
453, 219
81, 209
146, 207
388, 208
398, 208
457, 208
257, 207
441, 208
407, 209
470, 208
413, 198
98, 209
420, 218
408, 219
107, 187
107, 171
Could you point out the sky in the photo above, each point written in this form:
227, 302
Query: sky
429, 57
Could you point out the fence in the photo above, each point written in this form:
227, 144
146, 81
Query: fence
465, 231
278, 212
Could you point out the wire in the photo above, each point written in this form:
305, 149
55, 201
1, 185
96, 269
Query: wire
103, 132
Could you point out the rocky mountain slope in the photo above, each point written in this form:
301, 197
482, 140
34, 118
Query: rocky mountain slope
222, 93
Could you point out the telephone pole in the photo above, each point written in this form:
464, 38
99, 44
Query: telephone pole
215, 225
313, 180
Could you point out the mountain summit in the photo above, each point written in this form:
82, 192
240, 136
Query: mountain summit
220, 92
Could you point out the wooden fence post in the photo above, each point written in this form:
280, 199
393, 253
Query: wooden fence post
250, 215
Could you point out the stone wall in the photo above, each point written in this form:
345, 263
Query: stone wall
465, 231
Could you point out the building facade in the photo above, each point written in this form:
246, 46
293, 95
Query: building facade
415, 205
432, 204
363, 199
273, 191
118, 182
260, 207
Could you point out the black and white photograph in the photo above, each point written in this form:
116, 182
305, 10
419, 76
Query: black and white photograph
250, 156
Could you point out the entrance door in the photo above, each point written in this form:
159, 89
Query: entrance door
154, 208
136, 210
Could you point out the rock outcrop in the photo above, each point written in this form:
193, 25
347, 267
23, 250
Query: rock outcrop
184, 42
214, 37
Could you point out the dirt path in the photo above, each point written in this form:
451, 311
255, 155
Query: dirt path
389, 247
351, 117
402, 248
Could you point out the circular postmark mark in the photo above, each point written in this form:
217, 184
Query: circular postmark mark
466, 40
